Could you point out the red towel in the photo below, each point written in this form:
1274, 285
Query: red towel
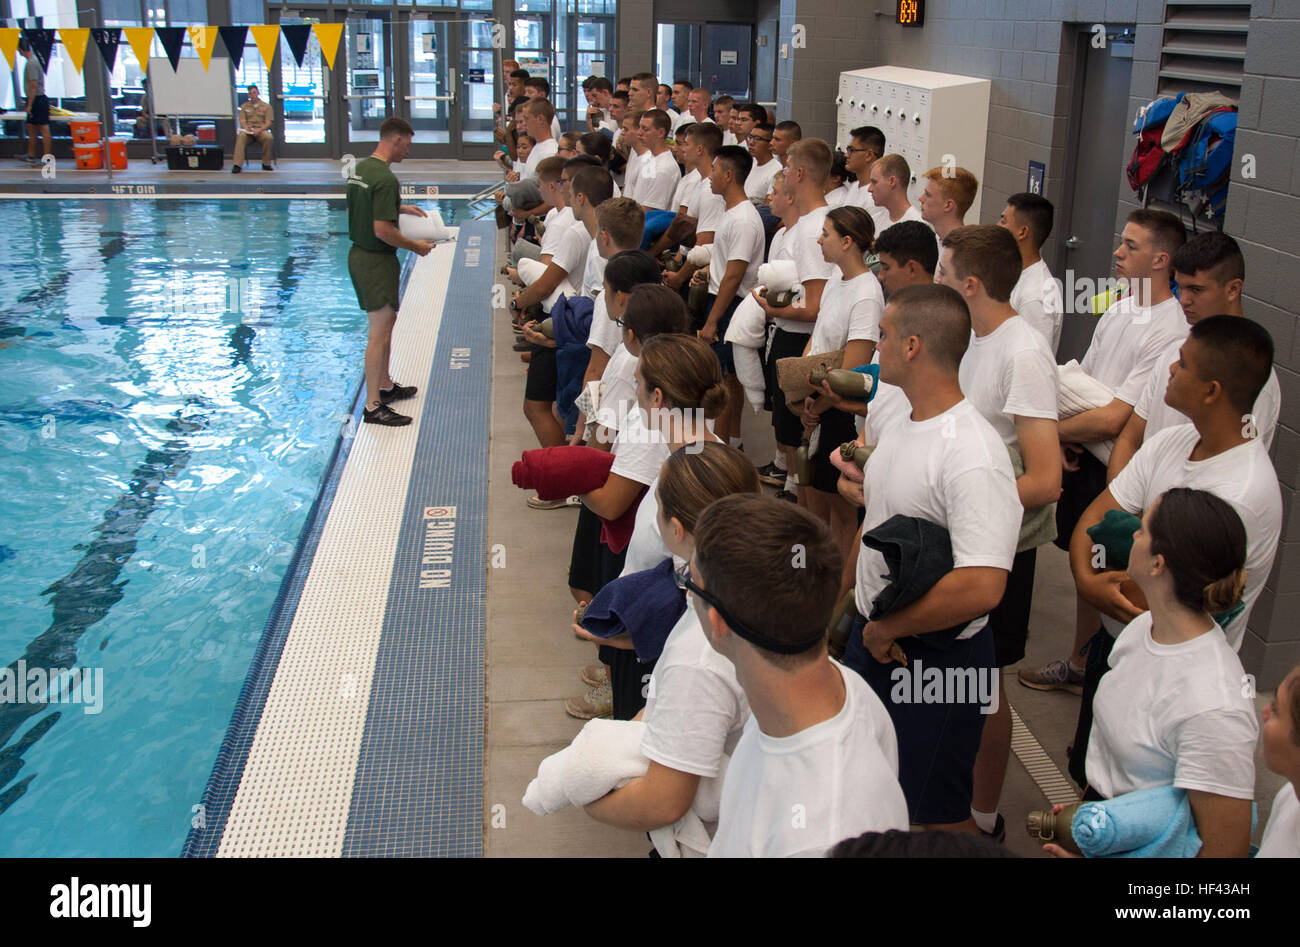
559, 472
616, 534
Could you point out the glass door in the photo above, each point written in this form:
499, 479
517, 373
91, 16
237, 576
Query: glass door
368, 98
429, 89
478, 69
301, 92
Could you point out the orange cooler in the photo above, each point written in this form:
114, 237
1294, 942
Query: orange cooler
84, 133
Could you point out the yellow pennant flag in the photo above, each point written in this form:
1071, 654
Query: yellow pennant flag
9, 43
202, 38
140, 38
75, 41
267, 39
328, 35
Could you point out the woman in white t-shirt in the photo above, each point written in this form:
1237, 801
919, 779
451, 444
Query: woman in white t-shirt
695, 709
849, 319
1173, 709
1281, 745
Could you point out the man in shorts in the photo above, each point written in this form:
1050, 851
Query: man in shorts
38, 105
373, 206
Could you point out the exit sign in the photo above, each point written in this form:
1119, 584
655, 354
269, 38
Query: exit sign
911, 12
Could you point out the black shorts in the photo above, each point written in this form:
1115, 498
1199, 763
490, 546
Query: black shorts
721, 348
1078, 489
1098, 663
786, 424
592, 565
543, 375
38, 111
937, 741
837, 427
1010, 620
629, 680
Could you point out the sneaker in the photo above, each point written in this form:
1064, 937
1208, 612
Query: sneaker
397, 393
523, 345
595, 675
267, 167
235, 169
999, 833
599, 702
537, 503
772, 475
384, 415
1058, 675
787, 496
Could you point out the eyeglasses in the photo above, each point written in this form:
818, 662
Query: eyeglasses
683, 579
753, 137
849, 150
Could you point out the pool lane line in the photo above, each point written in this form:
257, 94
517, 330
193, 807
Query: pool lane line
85, 595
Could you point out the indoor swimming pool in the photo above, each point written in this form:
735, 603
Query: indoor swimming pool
175, 376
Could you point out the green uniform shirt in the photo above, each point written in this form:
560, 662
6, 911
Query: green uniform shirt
373, 194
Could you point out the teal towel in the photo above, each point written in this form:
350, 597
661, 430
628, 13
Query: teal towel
1115, 535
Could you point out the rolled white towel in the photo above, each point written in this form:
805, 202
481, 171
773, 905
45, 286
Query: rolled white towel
1077, 391
748, 326
605, 755
749, 372
698, 256
423, 228
779, 275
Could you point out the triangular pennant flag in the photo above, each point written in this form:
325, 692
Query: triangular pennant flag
203, 38
172, 39
232, 37
75, 40
268, 40
297, 36
328, 35
107, 40
9, 43
140, 39
42, 42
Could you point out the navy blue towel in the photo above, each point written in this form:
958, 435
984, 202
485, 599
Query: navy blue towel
646, 605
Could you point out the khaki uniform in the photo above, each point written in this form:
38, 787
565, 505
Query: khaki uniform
257, 115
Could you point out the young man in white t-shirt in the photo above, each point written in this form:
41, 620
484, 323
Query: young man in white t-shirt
864, 149
759, 182
1222, 367
818, 760
947, 195
1037, 296
944, 464
1281, 748
888, 183
657, 171
1126, 347
704, 210
1009, 375
1211, 275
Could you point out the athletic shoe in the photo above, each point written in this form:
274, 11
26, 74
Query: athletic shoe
235, 169
384, 415
1057, 675
999, 833
523, 345
599, 702
537, 503
267, 167
595, 675
787, 496
397, 393
772, 475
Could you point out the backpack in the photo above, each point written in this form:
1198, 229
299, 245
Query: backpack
1148, 156
1194, 173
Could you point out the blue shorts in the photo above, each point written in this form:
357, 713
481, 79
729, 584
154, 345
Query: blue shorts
720, 348
937, 742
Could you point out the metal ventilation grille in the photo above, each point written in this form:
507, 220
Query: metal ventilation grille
1204, 46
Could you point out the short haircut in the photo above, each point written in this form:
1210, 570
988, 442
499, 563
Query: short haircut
664, 85
1237, 353
764, 126
621, 95
634, 115
568, 141
737, 159
896, 166
646, 77
599, 84
542, 108
723, 100
521, 137
629, 268
597, 145
594, 184
936, 315
659, 118
550, 168
871, 137
959, 187
652, 308
909, 240
395, 126
622, 217
582, 161
252, 86
933, 843
773, 566
853, 222
1035, 211
627, 79
988, 253
790, 128
682, 130
756, 112
708, 136
838, 171
520, 74
685, 82
517, 102
539, 82
1213, 252
813, 155
24, 45
1166, 229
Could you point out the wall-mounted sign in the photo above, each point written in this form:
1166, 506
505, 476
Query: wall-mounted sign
1037, 177
727, 57
476, 75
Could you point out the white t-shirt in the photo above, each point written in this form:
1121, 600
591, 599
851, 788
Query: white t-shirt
1172, 715
707, 208
1282, 833
1243, 477
686, 190
646, 549
555, 127
740, 236
695, 709
541, 149
760, 179
835, 196
801, 795
952, 470
656, 181
857, 195
1009, 373
674, 117
618, 388
1127, 346
632, 171
1036, 298
801, 244
727, 137
685, 118
639, 452
570, 255
1151, 406
850, 309
593, 272
880, 216
605, 333
556, 222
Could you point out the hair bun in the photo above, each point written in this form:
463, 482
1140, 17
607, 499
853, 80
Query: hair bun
1224, 593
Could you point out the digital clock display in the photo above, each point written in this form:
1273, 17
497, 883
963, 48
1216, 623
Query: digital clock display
911, 12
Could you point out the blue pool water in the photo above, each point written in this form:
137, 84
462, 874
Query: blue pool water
161, 453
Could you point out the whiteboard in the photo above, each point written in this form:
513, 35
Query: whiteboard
189, 90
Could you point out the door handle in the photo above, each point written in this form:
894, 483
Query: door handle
1072, 243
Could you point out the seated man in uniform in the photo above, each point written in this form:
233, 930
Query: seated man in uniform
255, 117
